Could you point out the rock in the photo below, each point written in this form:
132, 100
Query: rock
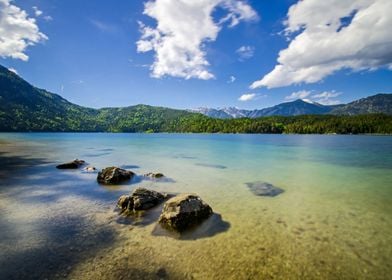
123, 202
154, 175
184, 211
264, 189
71, 165
161, 273
114, 175
90, 169
140, 199
144, 199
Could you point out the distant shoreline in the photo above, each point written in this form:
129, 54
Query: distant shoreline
193, 133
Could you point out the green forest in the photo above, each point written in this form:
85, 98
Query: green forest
24, 107
143, 118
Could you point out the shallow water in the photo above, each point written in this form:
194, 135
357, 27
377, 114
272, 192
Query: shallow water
333, 220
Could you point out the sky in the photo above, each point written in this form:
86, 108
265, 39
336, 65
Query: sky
185, 54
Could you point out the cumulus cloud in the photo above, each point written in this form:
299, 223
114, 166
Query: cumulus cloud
332, 35
17, 31
245, 52
247, 97
183, 27
238, 10
325, 97
37, 11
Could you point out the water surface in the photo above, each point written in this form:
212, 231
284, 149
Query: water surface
333, 220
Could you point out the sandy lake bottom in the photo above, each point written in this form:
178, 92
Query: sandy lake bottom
333, 220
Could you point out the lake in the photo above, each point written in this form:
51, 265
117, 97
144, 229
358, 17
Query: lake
333, 220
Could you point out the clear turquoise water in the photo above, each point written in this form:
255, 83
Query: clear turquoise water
334, 220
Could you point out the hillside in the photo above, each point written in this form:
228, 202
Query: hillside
379, 103
294, 108
24, 107
142, 118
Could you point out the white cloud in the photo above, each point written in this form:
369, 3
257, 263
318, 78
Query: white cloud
302, 94
325, 97
330, 36
239, 10
37, 11
247, 97
13, 70
17, 31
245, 52
231, 79
48, 18
183, 27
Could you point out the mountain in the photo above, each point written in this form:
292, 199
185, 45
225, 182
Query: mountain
376, 104
294, 108
379, 103
213, 113
222, 113
24, 107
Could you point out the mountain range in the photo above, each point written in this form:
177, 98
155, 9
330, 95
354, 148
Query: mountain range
24, 107
380, 103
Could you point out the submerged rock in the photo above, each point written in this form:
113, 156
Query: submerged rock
90, 169
184, 211
217, 166
140, 199
71, 165
114, 175
264, 189
154, 175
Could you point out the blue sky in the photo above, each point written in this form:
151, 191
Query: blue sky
93, 53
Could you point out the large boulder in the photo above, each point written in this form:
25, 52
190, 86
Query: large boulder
140, 199
114, 175
264, 189
71, 165
144, 199
184, 211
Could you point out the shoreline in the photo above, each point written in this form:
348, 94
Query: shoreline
193, 133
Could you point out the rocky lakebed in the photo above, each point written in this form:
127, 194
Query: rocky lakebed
194, 207
180, 213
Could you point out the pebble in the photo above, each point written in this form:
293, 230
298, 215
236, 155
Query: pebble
161, 273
